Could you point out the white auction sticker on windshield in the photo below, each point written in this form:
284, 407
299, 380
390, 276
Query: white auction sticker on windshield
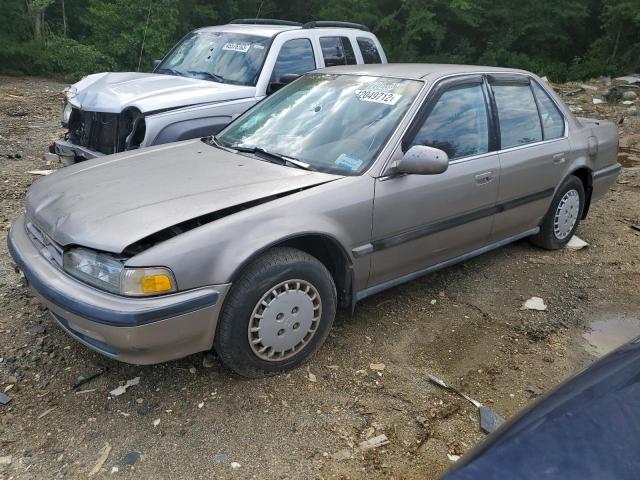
237, 46
385, 98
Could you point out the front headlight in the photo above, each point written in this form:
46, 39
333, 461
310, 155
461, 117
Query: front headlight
66, 114
108, 273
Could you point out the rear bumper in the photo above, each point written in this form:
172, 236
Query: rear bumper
133, 330
603, 179
65, 148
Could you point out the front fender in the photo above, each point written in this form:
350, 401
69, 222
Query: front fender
213, 253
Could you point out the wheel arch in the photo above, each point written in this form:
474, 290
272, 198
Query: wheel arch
327, 249
585, 175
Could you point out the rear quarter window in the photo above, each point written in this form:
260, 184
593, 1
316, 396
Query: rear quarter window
552, 119
337, 51
368, 50
518, 115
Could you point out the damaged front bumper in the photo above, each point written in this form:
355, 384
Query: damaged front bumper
132, 330
67, 151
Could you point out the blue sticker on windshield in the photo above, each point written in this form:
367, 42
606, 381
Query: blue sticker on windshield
348, 161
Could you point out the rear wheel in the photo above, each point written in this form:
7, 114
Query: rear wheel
563, 217
277, 313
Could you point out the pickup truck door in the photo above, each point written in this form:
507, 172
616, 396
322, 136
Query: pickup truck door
422, 220
533, 152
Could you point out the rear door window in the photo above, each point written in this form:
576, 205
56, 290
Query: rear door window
458, 123
369, 50
337, 51
552, 119
518, 115
296, 56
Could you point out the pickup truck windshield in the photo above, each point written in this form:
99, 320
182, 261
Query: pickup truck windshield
334, 123
221, 57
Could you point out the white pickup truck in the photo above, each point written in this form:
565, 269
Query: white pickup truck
210, 77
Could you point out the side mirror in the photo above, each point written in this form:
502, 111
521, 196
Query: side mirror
422, 160
285, 79
155, 64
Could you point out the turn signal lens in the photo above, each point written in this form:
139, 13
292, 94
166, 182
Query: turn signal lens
156, 283
147, 281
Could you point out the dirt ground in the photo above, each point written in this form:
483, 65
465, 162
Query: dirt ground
463, 324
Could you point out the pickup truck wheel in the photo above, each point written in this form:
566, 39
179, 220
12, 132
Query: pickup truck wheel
277, 313
563, 217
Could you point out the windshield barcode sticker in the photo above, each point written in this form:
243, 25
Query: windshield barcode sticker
378, 97
237, 46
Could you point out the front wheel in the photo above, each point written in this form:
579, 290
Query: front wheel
277, 313
563, 217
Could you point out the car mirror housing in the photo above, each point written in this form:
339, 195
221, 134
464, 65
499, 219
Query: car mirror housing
285, 79
423, 160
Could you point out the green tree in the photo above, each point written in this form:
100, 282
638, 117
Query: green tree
132, 33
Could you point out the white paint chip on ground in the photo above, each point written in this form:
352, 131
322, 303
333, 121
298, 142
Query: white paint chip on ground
374, 442
597, 101
378, 367
40, 172
123, 388
453, 458
576, 243
534, 303
156, 422
235, 465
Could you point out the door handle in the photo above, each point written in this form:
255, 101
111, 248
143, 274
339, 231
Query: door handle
484, 178
558, 158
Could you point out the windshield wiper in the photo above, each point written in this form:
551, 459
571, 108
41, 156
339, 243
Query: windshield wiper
170, 71
271, 156
210, 76
212, 140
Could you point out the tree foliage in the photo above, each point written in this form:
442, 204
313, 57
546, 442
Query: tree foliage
559, 38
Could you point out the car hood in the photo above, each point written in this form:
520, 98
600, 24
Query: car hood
112, 202
148, 92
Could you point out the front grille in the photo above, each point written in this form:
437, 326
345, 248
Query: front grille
47, 247
95, 130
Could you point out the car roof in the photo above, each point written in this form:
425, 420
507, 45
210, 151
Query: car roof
414, 70
265, 30
259, 30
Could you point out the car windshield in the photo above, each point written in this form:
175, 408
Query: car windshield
218, 56
334, 123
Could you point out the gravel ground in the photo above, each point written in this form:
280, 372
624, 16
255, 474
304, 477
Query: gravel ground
185, 420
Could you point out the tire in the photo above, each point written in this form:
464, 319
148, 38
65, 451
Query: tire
567, 207
288, 300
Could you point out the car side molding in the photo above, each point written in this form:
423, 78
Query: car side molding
362, 294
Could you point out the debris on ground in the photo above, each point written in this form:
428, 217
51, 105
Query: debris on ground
46, 412
453, 458
235, 465
82, 379
374, 442
40, 172
116, 392
534, 390
489, 420
209, 360
576, 243
104, 454
19, 113
156, 422
131, 458
534, 303
220, 457
311, 377
378, 367
4, 398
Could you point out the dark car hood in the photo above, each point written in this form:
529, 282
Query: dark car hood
112, 202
